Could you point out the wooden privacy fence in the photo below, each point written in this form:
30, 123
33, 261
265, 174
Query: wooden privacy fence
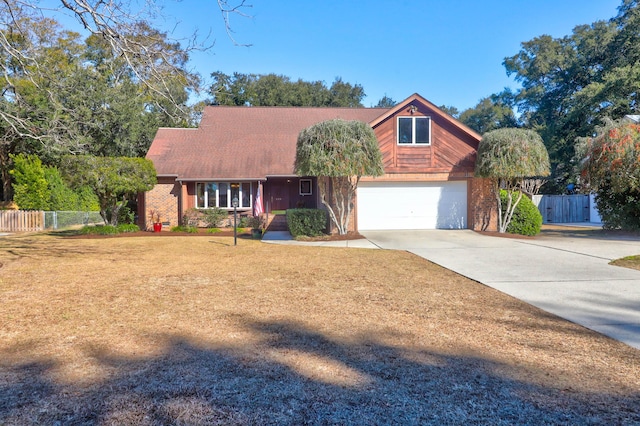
21, 221
563, 208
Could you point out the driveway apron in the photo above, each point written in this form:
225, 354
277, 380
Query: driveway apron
567, 276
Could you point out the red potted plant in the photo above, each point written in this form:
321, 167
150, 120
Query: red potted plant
155, 218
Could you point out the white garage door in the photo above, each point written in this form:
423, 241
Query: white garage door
412, 205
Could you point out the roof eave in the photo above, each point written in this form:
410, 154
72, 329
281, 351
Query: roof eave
221, 179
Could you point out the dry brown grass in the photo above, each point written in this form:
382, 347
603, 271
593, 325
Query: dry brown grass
192, 330
631, 262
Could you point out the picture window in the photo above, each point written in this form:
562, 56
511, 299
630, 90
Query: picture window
221, 194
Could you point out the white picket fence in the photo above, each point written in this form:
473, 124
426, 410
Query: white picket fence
21, 221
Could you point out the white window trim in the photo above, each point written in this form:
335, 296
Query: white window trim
216, 196
413, 130
310, 187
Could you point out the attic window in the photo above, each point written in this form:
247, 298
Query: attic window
414, 130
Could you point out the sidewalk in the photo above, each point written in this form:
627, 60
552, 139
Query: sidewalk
284, 237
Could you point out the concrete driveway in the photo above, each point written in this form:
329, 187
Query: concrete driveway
568, 276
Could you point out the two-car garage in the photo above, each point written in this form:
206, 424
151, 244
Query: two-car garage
412, 205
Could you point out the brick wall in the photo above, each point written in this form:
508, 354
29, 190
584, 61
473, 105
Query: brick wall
163, 198
483, 214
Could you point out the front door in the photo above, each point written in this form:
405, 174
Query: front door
279, 196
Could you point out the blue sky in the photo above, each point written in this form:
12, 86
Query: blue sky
449, 51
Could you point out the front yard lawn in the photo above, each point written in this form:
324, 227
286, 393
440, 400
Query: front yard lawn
197, 331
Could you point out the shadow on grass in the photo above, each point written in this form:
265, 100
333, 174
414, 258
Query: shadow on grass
297, 375
26, 246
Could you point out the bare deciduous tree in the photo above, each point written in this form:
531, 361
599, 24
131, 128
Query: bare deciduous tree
532, 187
48, 87
123, 27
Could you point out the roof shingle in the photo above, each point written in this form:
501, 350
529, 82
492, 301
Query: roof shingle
242, 142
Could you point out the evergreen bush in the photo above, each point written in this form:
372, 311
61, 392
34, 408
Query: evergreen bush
211, 218
185, 228
109, 229
526, 219
30, 188
64, 198
618, 210
100, 230
306, 222
127, 227
126, 215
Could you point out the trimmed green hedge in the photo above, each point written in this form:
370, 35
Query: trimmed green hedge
109, 229
185, 228
306, 222
526, 219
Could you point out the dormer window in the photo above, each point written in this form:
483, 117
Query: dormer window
414, 130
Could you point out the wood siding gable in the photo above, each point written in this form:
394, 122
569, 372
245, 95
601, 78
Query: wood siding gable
453, 146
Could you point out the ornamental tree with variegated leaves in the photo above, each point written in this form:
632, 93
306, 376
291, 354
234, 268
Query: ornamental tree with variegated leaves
610, 167
339, 153
612, 158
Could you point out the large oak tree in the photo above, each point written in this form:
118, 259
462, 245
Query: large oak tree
73, 96
570, 83
278, 90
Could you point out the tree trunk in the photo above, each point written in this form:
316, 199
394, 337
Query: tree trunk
342, 192
504, 217
7, 189
496, 190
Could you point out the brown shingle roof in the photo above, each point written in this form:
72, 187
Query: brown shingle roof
242, 142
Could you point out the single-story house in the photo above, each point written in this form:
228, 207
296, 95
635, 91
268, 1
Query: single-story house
240, 152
